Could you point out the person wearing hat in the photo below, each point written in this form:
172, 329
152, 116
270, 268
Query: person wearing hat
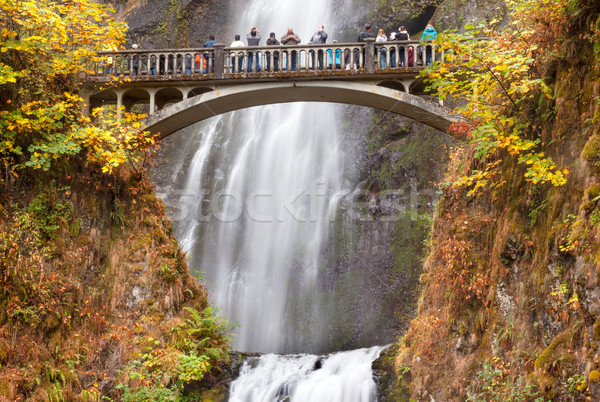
272, 41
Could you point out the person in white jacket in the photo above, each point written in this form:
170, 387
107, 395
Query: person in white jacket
237, 43
381, 37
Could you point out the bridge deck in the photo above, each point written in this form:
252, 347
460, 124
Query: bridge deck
203, 82
234, 63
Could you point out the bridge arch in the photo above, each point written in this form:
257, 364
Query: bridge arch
227, 99
397, 85
167, 95
134, 96
198, 91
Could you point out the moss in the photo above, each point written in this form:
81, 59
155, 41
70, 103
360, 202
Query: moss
594, 376
548, 355
546, 385
142, 241
591, 148
593, 191
216, 394
596, 328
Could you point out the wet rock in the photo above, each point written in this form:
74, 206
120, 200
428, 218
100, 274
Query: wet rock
505, 301
593, 301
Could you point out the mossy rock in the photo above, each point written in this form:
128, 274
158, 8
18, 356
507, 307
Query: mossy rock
549, 354
141, 242
593, 191
216, 394
151, 221
591, 149
594, 376
546, 385
596, 328
4, 352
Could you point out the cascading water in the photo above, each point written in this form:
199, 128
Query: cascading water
267, 178
256, 206
341, 377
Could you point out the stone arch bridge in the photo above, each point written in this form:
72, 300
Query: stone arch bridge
184, 86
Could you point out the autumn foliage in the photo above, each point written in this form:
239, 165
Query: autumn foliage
495, 74
44, 49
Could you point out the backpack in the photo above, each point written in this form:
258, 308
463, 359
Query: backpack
401, 36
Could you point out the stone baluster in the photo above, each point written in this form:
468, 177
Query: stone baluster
369, 61
306, 59
219, 53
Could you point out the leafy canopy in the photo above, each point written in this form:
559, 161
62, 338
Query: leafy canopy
498, 80
44, 46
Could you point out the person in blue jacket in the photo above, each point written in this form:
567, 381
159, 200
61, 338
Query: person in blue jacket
338, 60
211, 43
429, 34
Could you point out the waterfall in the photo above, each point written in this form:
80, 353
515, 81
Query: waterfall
267, 210
340, 377
257, 201
256, 194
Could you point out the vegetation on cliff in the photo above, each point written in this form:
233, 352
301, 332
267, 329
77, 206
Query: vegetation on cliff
96, 301
511, 295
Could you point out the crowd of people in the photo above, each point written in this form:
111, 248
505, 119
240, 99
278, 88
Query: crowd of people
253, 38
320, 37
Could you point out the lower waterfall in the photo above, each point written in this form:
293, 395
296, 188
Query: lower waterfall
338, 377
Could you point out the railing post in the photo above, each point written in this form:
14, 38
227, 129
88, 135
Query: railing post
370, 54
219, 60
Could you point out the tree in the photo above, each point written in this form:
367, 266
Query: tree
44, 46
498, 79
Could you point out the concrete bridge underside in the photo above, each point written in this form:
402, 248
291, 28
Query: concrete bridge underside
226, 99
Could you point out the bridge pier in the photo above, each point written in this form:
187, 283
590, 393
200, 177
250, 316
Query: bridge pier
120, 93
152, 102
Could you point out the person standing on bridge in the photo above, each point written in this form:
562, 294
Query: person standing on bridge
381, 37
135, 61
361, 38
237, 43
253, 39
291, 39
401, 35
338, 58
272, 41
318, 38
210, 44
429, 34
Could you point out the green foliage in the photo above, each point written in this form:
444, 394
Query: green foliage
205, 332
48, 212
576, 384
534, 214
494, 385
193, 367
198, 345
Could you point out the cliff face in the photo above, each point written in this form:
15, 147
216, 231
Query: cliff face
455, 14
93, 287
510, 304
381, 244
156, 24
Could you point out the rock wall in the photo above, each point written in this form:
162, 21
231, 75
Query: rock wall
155, 24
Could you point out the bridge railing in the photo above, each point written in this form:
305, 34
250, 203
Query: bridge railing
240, 62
